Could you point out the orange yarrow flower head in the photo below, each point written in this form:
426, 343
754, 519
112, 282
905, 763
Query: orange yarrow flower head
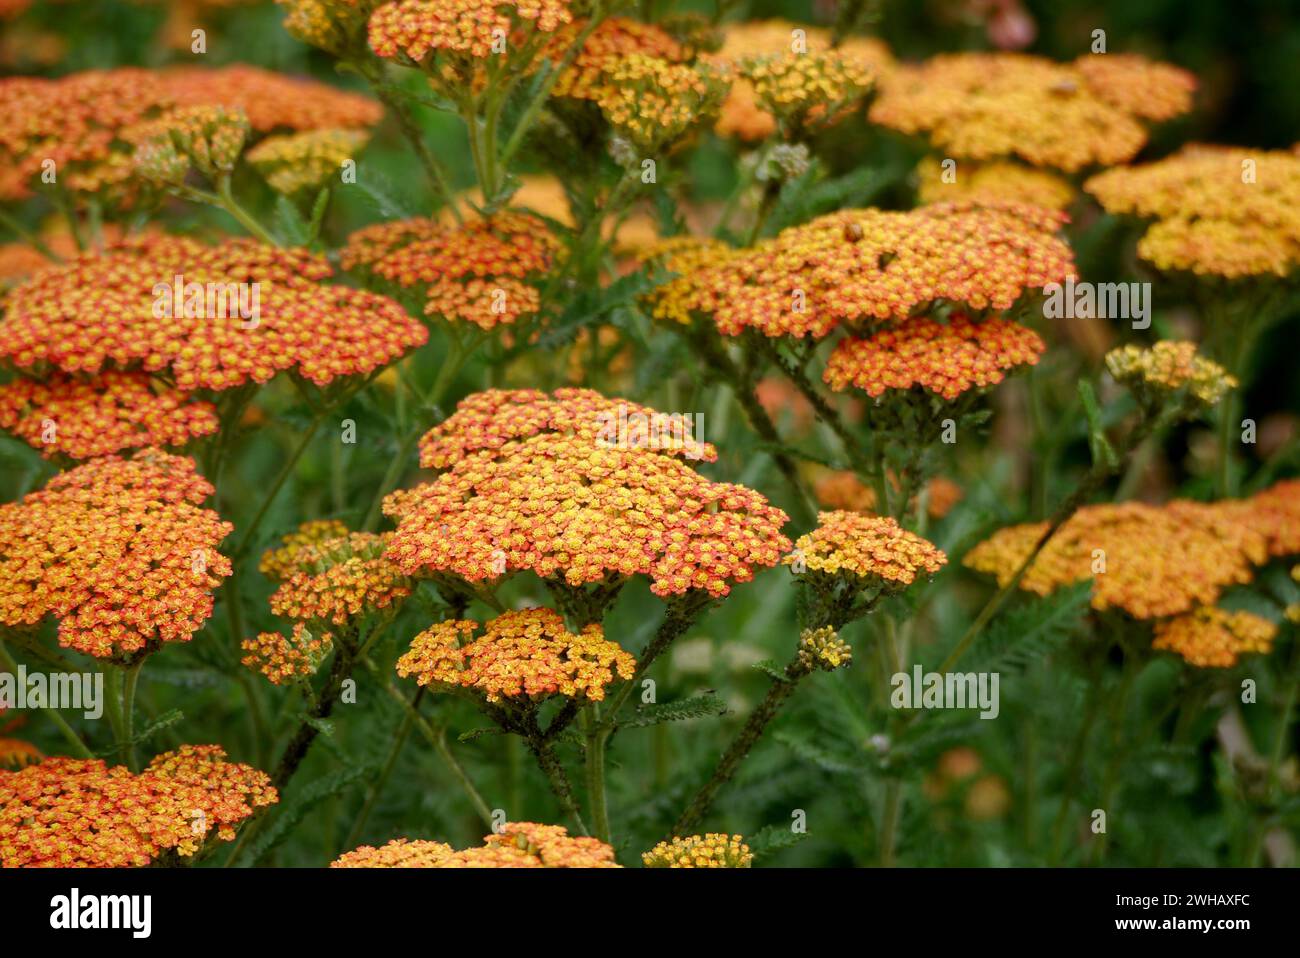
612, 39
515, 845
576, 510
1218, 210
863, 267
991, 182
67, 812
714, 850
491, 419
792, 72
1210, 637
284, 659
214, 317
524, 656
850, 561
455, 41
273, 102
120, 551
486, 271
1066, 116
85, 127
1170, 372
946, 359
1148, 561
1273, 513
107, 413
329, 575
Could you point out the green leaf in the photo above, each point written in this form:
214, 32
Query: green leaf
318, 209
387, 200
773, 838
289, 224
1032, 631
478, 733
698, 706
1102, 451
164, 721
772, 670
294, 811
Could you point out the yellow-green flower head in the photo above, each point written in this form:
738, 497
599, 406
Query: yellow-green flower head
1157, 373
208, 138
823, 649
714, 850
297, 162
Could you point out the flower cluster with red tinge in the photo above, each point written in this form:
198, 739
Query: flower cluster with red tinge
490, 419
484, 271
867, 547
1149, 561
515, 845
947, 359
120, 551
284, 659
87, 123
214, 317
1218, 210
107, 413
580, 510
328, 574
1209, 637
473, 28
67, 812
1067, 116
869, 266
521, 654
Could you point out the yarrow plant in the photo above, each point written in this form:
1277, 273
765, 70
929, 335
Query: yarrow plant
644, 437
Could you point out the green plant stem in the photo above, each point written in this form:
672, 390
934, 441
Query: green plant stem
226, 201
1073, 766
385, 772
30, 238
74, 740
1092, 480
596, 735
889, 821
410, 129
436, 737
457, 355
749, 735
131, 678
526, 120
